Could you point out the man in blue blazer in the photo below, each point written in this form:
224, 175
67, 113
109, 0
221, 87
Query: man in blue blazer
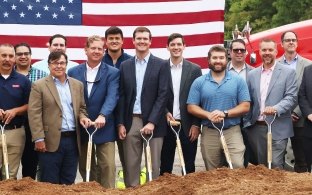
144, 84
101, 85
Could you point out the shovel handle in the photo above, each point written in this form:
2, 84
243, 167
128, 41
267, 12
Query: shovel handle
5, 156
88, 163
226, 151
174, 123
149, 162
269, 149
181, 155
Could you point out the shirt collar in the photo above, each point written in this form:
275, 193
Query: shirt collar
95, 68
145, 59
56, 80
293, 60
272, 68
179, 65
232, 67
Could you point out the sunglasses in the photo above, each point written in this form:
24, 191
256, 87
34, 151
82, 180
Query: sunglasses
239, 50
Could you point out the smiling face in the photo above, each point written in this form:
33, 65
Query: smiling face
95, 51
58, 67
58, 44
268, 53
114, 42
176, 48
23, 56
7, 59
290, 43
142, 42
217, 61
238, 53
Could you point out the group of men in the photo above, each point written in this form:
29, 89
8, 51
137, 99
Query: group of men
124, 96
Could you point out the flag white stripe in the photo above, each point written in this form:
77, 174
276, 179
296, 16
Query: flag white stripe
79, 54
85, 31
152, 7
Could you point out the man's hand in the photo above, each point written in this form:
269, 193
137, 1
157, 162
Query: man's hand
269, 110
85, 122
295, 117
1, 115
9, 115
169, 117
100, 121
148, 128
216, 116
194, 133
40, 146
310, 117
122, 133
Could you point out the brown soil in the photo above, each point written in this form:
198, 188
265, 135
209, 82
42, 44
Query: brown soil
253, 180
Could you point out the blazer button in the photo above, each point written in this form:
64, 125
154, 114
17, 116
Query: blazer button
61, 116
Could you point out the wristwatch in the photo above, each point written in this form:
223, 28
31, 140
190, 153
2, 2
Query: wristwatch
226, 113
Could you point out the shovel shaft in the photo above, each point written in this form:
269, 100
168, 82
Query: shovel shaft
5, 156
181, 155
88, 163
226, 151
149, 162
269, 141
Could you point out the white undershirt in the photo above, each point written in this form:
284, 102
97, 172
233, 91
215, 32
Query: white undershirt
176, 73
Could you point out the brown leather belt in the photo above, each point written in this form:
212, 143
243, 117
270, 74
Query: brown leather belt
137, 115
263, 123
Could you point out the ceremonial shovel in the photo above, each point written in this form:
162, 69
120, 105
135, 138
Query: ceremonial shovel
5, 152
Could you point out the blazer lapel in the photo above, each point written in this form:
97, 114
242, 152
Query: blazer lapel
185, 74
148, 71
74, 95
83, 72
100, 78
53, 90
257, 81
299, 69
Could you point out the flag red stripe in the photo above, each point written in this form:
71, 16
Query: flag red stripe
79, 42
153, 19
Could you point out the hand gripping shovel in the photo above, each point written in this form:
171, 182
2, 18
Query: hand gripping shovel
5, 152
224, 145
89, 153
269, 139
177, 132
147, 139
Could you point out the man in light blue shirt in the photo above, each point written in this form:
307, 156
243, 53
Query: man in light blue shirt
57, 42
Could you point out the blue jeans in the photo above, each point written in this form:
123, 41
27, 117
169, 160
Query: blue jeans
60, 167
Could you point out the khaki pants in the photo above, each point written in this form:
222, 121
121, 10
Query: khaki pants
211, 147
104, 171
15, 139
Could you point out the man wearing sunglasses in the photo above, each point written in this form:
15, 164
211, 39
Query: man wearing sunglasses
101, 85
238, 66
293, 60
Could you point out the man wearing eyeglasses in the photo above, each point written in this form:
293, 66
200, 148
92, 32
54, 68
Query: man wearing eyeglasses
238, 66
101, 83
14, 93
23, 66
293, 60
57, 42
56, 109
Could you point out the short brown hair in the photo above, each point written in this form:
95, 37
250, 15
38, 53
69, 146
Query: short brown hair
217, 48
141, 29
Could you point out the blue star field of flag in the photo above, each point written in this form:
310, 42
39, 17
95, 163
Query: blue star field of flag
48, 12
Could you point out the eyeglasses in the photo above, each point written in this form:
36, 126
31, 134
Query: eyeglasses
290, 40
239, 50
58, 63
97, 79
19, 54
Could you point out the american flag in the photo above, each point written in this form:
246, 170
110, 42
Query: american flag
34, 21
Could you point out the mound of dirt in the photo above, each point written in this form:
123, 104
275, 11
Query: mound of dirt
253, 180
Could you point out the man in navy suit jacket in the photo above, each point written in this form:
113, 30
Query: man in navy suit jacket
144, 82
101, 85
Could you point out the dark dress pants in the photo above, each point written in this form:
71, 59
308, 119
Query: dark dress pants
30, 158
189, 150
60, 167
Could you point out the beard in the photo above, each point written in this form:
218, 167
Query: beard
217, 70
